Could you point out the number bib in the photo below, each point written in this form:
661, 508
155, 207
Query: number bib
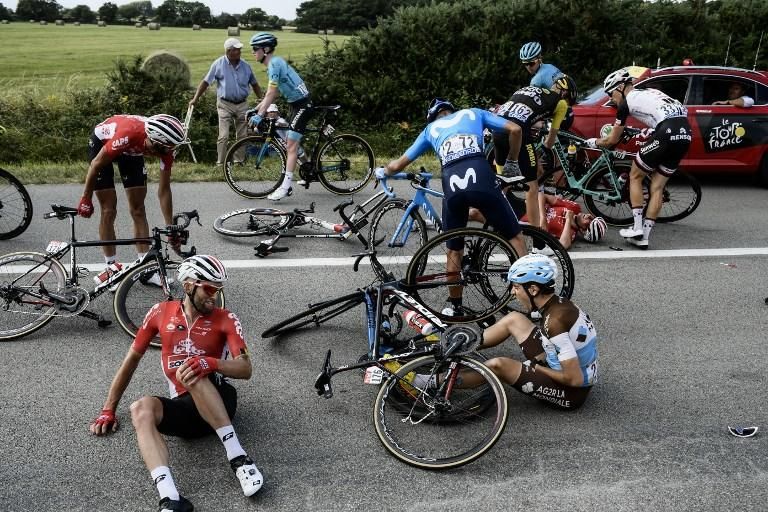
458, 146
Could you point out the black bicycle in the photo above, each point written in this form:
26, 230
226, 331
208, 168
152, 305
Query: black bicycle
343, 163
35, 287
15, 206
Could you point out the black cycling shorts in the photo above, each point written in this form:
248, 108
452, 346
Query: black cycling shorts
526, 158
133, 173
299, 114
471, 182
180, 416
666, 147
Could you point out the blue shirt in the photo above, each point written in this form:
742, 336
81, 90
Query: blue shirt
545, 76
287, 80
233, 83
456, 136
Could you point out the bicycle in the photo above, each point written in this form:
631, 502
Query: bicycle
279, 224
36, 287
15, 206
254, 166
398, 230
604, 181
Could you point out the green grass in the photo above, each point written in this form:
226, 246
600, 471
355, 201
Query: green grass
45, 59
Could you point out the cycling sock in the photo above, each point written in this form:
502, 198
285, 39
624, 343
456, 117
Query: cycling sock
140, 255
164, 483
637, 215
110, 259
230, 441
647, 227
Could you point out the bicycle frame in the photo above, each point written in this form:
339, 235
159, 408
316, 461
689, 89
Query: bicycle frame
420, 200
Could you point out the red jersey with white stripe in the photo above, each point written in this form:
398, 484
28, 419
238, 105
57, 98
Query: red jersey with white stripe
125, 135
219, 335
556, 216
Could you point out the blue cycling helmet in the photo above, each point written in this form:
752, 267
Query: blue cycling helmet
530, 51
436, 106
263, 39
533, 268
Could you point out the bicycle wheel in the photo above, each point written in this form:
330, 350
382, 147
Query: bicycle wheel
440, 426
135, 296
345, 164
251, 222
15, 206
254, 167
22, 273
481, 276
316, 314
681, 197
616, 212
396, 236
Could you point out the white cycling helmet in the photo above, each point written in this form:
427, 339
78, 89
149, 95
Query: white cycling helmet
202, 268
166, 130
596, 230
615, 79
533, 268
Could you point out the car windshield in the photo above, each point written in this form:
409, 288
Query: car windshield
593, 95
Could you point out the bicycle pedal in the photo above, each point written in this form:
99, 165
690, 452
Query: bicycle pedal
104, 323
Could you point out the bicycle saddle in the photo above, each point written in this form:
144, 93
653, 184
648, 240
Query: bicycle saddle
63, 211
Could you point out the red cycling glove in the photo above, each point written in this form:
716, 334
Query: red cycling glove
85, 208
106, 418
203, 365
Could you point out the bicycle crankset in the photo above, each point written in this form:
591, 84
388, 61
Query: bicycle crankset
465, 337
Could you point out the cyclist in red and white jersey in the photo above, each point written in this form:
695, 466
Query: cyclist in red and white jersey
201, 345
662, 152
125, 139
565, 220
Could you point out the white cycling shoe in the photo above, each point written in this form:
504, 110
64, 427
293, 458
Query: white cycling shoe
280, 193
248, 474
642, 243
631, 233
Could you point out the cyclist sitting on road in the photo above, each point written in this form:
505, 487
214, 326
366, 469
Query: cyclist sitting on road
561, 364
565, 220
525, 108
467, 178
544, 75
197, 342
283, 79
662, 152
125, 139
737, 96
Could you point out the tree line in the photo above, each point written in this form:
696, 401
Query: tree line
173, 13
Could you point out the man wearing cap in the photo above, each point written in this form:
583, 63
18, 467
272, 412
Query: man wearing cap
233, 78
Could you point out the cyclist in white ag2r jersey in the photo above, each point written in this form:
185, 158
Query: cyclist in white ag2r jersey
661, 154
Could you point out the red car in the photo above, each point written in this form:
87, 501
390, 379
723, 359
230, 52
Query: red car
725, 138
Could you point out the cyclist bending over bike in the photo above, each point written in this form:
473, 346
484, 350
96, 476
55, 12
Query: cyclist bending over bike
467, 178
197, 342
525, 108
662, 152
561, 364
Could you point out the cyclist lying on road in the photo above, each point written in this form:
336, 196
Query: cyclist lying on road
564, 220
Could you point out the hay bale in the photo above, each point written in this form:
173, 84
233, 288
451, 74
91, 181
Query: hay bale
32, 21
77, 23
4, 22
43, 22
329, 32
138, 24
233, 31
60, 23
168, 66
102, 23
196, 27
153, 26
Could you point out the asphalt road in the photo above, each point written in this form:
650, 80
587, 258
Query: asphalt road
681, 340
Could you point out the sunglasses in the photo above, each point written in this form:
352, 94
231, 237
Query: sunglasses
743, 431
209, 289
529, 63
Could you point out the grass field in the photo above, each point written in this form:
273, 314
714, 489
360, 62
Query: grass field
45, 59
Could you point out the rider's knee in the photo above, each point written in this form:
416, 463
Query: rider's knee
143, 411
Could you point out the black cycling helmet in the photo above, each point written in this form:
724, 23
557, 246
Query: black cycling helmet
436, 106
567, 84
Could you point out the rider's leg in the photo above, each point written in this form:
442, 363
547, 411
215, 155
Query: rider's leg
658, 182
136, 196
146, 414
108, 203
636, 177
292, 150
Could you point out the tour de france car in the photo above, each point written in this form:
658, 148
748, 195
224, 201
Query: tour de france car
726, 138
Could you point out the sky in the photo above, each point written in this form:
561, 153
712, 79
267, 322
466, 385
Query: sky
283, 8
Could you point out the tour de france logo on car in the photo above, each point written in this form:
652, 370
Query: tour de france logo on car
726, 135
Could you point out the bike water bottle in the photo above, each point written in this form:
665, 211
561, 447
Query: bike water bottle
112, 269
419, 323
621, 181
571, 156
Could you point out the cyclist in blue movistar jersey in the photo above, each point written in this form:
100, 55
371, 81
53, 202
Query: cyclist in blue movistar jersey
467, 178
283, 79
544, 75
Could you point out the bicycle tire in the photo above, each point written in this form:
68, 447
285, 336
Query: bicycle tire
251, 172
614, 212
345, 164
15, 206
395, 252
12, 312
681, 197
328, 309
483, 267
134, 297
251, 222
433, 419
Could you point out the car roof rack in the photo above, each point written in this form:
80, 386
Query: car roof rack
703, 68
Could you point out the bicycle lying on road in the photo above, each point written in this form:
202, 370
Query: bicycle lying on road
254, 166
15, 206
35, 287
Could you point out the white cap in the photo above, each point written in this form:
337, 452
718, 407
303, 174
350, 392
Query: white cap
272, 108
232, 42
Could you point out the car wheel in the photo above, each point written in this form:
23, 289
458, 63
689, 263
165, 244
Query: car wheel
762, 173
